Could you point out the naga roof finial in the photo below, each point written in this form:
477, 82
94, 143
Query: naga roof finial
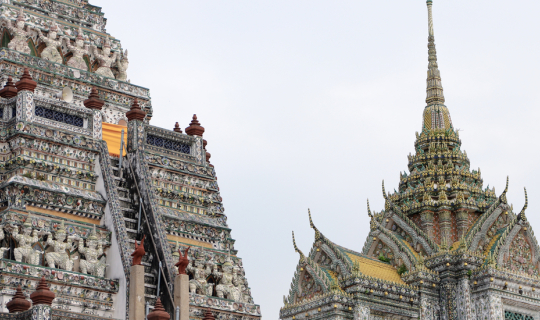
312, 225
383, 190
369, 210
296, 247
503, 195
521, 215
434, 86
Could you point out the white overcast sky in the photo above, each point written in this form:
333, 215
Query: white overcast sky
311, 104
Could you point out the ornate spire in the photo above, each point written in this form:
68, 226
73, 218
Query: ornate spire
296, 247
434, 86
93, 101
195, 128
9, 90
135, 113
312, 225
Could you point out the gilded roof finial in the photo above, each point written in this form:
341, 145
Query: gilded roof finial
434, 86
296, 247
383, 190
369, 210
312, 225
521, 215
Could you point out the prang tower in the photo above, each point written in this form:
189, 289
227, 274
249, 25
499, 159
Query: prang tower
444, 247
84, 176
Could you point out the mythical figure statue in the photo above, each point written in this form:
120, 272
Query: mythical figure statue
122, 64
198, 284
105, 60
79, 50
228, 281
25, 241
51, 51
20, 36
92, 265
59, 258
138, 253
183, 261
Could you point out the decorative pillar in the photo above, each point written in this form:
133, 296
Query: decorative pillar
136, 283
426, 221
135, 127
462, 221
197, 131
181, 295
463, 299
445, 225
25, 97
361, 310
95, 104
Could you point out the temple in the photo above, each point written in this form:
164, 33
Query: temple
98, 207
444, 247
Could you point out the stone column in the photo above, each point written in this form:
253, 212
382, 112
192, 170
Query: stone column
462, 221
135, 127
361, 310
25, 97
463, 299
136, 292
181, 295
445, 225
426, 220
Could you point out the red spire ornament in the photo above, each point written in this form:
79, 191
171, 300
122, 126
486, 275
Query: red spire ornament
93, 101
26, 82
183, 261
159, 312
208, 315
135, 113
177, 128
19, 302
42, 295
9, 90
138, 253
195, 128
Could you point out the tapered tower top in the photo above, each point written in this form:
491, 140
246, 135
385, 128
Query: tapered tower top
436, 115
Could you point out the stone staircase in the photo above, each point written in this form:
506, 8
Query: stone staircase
129, 203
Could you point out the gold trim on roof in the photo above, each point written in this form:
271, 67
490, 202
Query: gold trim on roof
375, 269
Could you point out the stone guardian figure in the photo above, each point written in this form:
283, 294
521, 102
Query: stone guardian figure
122, 64
92, 265
51, 51
104, 59
198, 284
25, 241
79, 50
59, 258
227, 283
20, 36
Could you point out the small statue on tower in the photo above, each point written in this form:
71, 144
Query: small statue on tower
51, 51
199, 284
138, 253
228, 280
25, 242
79, 50
59, 258
183, 261
122, 63
92, 265
105, 60
19, 41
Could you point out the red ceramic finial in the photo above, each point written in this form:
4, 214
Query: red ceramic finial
93, 101
19, 302
208, 155
183, 261
177, 128
135, 113
159, 312
9, 90
208, 315
42, 295
195, 128
26, 82
138, 253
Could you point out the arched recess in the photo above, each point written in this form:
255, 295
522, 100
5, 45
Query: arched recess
520, 252
6, 38
308, 286
33, 49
